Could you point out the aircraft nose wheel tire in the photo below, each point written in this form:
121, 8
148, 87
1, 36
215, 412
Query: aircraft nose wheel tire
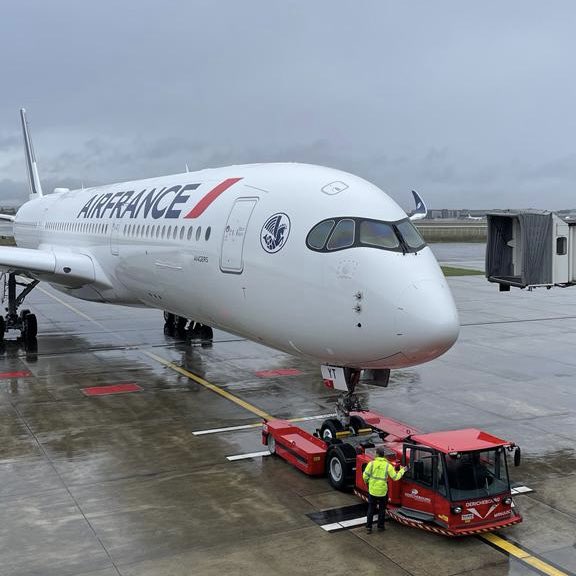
357, 423
340, 466
329, 429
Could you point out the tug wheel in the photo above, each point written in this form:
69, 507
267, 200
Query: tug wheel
340, 466
271, 443
329, 429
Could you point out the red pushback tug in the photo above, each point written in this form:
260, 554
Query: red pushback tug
456, 484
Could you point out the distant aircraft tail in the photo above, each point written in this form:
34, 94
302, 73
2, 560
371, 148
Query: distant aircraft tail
421, 209
31, 166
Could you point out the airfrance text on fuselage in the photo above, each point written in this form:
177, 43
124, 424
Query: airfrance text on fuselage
164, 203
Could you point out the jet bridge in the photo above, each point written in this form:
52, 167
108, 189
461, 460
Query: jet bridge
530, 249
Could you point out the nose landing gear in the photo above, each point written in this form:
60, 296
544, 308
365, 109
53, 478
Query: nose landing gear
344, 379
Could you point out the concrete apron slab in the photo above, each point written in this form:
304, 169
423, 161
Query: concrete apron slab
120, 485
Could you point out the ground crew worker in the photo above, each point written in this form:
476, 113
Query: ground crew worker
376, 477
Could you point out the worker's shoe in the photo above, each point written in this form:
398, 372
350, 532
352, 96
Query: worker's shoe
368, 530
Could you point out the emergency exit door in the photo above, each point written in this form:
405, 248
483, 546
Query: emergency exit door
231, 256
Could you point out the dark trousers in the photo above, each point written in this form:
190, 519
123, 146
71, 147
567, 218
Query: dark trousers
376, 503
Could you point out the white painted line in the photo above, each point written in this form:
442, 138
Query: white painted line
331, 527
353, 522
228, 429
308, 418
521, 490
246, 456
257, 425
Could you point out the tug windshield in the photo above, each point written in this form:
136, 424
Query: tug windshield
475, 474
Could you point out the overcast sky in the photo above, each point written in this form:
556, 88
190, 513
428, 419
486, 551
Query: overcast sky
473, 103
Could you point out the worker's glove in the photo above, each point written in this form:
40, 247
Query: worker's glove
397, 467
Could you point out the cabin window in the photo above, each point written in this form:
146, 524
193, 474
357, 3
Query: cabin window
190, 230
182, 230
561, 246
198, 233
163, 232
207, 233
175, 233
342, 236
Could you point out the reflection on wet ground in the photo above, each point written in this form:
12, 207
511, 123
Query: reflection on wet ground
120, 485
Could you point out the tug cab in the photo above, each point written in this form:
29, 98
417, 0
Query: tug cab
456, 484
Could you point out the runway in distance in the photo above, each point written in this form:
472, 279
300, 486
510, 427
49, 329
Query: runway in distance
309, 260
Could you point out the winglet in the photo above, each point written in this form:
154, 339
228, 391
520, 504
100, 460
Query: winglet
421, 210
31, 166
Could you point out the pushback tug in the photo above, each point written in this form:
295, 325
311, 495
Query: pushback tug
457, 482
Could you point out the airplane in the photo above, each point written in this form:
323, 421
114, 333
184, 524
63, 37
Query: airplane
305, 259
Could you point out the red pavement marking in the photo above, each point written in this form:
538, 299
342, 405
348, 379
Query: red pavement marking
279, 372
112, 389
17, 374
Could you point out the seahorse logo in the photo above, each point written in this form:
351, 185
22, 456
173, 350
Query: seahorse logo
275, 232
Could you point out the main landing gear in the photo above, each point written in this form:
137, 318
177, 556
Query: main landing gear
179, 327
14, 320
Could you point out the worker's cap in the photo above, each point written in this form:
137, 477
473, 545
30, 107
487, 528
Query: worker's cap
380, 451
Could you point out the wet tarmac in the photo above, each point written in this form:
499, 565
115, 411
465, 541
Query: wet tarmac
119, 484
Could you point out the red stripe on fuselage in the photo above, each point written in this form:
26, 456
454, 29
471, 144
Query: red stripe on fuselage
206, 200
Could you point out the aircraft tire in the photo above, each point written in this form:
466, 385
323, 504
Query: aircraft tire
2, 328
30, 327
329, 429
357, 423
206, 333
169, 330
169, 318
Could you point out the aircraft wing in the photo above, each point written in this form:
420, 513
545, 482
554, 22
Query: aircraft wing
59, 267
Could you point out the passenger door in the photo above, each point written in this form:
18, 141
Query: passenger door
231, 255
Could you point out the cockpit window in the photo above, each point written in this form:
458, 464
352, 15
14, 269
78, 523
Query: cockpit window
343, 235
379, 234
319, 234
410, 234
344, 232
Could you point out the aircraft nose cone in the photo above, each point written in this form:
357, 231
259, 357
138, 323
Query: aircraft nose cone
427, 323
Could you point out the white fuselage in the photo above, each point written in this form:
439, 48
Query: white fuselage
207, 246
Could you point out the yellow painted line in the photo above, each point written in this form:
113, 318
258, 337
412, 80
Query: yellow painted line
523, 555
70, 307
175, 367
210, 386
